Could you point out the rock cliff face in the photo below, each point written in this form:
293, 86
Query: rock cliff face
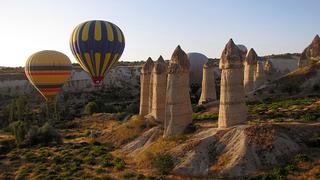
15, 84
311, 53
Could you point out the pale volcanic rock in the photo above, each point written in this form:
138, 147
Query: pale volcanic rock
145, 81
159, 86
208, 90
178, 103
311, 53
268, 67
259, 76
232, 110
250, 64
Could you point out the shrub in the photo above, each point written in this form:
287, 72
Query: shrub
90, 160
91, 108
6, 146
133, 108
48, 134
19, 130
163, 163
198, 108
110, 109
32, 135
119, 164
301, 157
314, 141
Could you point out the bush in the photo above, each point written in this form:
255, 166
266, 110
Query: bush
19, 129
163, 164
133, 108
32, 135
119, 164
198, 108
314, 141
6, 146
91, 108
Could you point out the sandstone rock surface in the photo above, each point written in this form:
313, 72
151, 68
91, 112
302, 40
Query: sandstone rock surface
232, 110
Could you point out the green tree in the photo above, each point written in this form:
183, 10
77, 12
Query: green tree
91, 108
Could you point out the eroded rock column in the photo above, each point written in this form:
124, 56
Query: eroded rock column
145, 82
260, 76
232, 110
250, 63
208, 90
159, 76
178, 103
311, 54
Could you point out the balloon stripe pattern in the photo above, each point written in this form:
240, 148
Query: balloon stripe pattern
97, 45
48, 71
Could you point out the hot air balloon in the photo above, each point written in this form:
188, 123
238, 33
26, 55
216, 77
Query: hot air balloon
97, 45
48, 71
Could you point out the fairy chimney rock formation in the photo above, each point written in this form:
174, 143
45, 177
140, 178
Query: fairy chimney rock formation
311, 53
178, 103
145, 82
232, 110
268, 67
250, 64
260, 76
159, 86
208, 91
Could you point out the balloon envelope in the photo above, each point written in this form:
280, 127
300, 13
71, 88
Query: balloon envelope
97, 45
48, 71
243, 50
197, 60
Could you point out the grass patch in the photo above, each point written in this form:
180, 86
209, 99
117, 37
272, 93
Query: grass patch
129, 130
281, 110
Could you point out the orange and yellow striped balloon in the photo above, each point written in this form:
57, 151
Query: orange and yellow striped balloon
48, 71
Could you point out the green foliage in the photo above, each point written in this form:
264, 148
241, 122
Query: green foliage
6, 146
132, 108
163, 163
301, 157
19, 130
119, 163
198, 108
286, 109
90, 160
291, 89
31, 135
91, 108
213, 116
314, 141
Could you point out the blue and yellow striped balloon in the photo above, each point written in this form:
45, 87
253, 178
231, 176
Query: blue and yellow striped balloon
97, 45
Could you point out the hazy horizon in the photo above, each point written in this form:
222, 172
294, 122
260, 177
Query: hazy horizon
153, 28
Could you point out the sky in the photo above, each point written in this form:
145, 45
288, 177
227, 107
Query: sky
155, 27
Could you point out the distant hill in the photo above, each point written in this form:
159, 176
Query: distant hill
301, 82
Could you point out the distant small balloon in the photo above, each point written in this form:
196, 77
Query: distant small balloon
97, 45
47, 71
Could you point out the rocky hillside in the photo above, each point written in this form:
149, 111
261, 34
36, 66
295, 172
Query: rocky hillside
301, 82
16, 83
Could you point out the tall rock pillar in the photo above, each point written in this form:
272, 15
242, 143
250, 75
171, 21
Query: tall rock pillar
159, 86
311, 54
145, 82
260, 76
178, 103
208, 90
232, 110
250, 64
